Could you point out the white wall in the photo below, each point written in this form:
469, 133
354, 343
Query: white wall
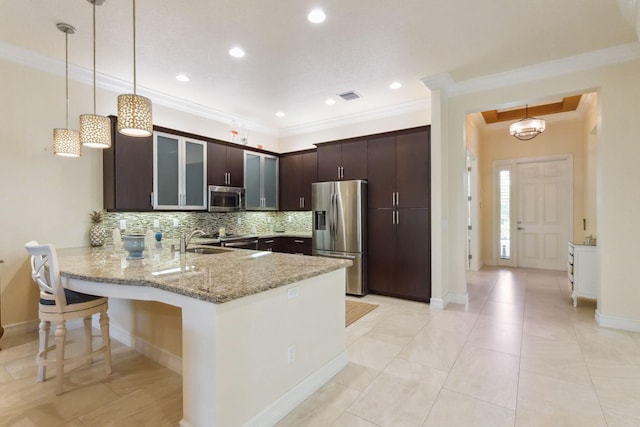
617, 204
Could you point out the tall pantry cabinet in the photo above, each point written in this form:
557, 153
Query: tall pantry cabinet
399, 229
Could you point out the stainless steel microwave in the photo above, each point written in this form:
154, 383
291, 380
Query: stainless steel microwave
226, 199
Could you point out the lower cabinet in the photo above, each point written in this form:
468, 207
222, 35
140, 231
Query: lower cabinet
289, 245
581, 269
399, 253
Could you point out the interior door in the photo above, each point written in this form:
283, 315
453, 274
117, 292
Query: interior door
543, 214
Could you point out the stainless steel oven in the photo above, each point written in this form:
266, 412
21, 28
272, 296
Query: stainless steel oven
226, 199
240, 242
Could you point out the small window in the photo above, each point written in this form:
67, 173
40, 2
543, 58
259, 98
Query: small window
505, 214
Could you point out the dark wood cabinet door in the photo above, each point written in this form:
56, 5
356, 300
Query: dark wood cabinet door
413, 254
295, 245
354, 160
309, 176
290, 181
381, 171
131, 173
329, 159
216, 163
235, 166
413, 165
269, 244
381, 257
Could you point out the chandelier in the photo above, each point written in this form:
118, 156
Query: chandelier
528, 127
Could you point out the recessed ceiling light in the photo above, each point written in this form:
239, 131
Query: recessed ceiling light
280, 114
330, 101
182, 78
395, 85
316, 16
236, 52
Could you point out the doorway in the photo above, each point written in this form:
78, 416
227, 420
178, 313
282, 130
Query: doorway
534, 212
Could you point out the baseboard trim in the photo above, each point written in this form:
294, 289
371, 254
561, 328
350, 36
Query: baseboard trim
442, 303
437, 303
615, 322
21, 327
294, 397
152, 351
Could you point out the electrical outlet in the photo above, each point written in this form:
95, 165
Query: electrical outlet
239, 221
175, 222
289, 218
291, 354
268, 220
156, 223
123, 224
293, 292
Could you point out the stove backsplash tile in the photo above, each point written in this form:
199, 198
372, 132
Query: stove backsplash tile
233, 222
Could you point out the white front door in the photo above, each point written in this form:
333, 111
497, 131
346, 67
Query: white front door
543, 212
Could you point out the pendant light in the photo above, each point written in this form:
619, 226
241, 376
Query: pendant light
95, 130
66, 142
528, 127
134, 111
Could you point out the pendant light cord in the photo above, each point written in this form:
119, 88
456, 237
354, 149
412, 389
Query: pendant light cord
134, 47
94, 57
66, 76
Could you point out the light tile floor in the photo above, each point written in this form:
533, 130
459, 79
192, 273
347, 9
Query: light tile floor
519, 354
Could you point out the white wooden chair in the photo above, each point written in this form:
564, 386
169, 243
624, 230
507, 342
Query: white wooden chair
58, 304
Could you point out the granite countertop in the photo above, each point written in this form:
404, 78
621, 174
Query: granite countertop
217, 278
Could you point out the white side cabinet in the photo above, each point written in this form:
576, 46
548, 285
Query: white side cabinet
581, 268
179, 172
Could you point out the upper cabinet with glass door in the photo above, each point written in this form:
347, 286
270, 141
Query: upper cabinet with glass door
261, 181
179, 173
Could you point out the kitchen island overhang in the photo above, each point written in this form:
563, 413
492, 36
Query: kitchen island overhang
261, 331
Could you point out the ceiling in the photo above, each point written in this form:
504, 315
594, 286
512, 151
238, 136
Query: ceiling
293, 66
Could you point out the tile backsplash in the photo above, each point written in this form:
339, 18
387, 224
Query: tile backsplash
233, 222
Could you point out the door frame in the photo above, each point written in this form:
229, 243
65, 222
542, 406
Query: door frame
511, 164
473, 235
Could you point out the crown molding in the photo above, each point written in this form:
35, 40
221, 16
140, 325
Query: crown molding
365, 116
570, 64
53, 66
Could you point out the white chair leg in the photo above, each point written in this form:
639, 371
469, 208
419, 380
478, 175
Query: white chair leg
61, 334
87, 337
42, 349
106, 340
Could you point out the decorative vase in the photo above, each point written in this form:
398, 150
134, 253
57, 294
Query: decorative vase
97, 235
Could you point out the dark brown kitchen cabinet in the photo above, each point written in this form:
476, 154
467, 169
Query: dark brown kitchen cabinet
342, 160
269, 244
285, 244
225, 165
398, 171
295, 245
399, 248
127, 168
297, 172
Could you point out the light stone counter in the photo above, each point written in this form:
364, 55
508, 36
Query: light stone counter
216, 278
261, 331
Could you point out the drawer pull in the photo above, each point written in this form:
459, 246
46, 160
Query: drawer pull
298, 241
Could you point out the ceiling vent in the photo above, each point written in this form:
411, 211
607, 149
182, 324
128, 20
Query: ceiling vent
349, 96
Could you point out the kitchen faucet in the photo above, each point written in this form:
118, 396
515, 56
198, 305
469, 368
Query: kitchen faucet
185, 239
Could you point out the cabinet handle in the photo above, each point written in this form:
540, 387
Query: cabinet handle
393, 217
397, 198
298, 241
342, 172
302, 202
393, 198
268, 241
152, 198
338, 172
397, 217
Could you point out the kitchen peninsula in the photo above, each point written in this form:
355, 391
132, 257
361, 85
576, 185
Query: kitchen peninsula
260, 330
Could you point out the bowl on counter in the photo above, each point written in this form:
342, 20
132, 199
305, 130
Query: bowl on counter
134, 244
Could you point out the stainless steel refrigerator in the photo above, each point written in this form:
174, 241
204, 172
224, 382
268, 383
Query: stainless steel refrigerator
340, 227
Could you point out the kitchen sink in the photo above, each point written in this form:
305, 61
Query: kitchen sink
208, 251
